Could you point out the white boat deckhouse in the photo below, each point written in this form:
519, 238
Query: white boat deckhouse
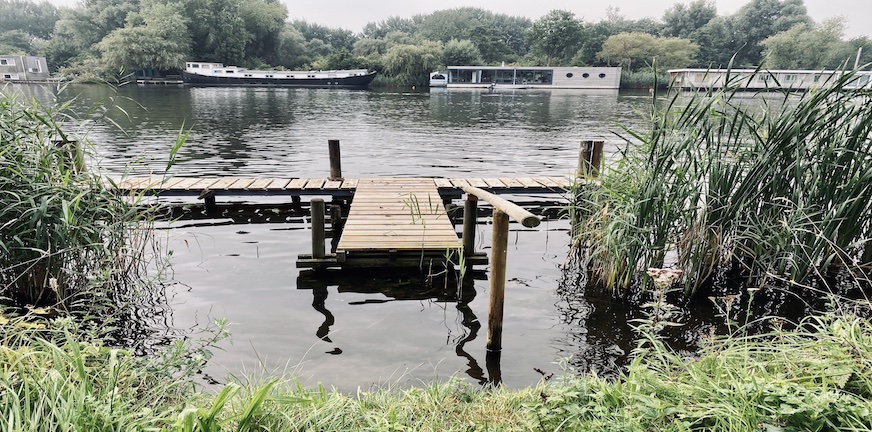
765, 79
527, 77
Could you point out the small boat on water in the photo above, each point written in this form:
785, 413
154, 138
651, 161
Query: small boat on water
202, 73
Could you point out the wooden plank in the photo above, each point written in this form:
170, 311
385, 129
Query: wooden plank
172, 181
223, 183
563, 181
349, 184
297, 184
477, 182
204, 183
529, 182
184, 184
241, 184
458, 183
443, 183
332, 184
511, 183
547, 182
314, 184
494, 183
278, 184
260, 184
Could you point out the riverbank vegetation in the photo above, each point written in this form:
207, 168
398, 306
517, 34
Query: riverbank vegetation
775, 191
108, 39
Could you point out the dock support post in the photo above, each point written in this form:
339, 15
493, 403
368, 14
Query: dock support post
297, 203
335, 226
317, 208
335, 160
208, 198
590, 157
867, 254
499, 251
470, 216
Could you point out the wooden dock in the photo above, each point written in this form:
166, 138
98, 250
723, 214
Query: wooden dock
247, 186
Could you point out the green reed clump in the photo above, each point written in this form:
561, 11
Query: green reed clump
62, 231
779, 185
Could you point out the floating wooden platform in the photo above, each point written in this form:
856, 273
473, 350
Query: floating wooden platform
244, 186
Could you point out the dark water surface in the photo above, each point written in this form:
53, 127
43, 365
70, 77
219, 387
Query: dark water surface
356, 330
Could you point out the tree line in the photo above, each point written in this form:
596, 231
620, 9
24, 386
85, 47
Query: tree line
101, 38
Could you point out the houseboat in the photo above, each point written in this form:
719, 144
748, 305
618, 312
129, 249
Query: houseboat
527, 77
765, 79
18, 68
201, 73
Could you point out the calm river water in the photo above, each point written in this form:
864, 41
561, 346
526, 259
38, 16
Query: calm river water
366, 329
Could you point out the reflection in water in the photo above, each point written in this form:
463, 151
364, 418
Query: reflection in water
404, 286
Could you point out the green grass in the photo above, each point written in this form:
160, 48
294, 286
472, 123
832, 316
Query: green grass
777, 186
816, 376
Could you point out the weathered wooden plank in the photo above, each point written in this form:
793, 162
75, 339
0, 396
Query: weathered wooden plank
349, 184
547, 182
458, 183
529, 182
332, 184
278, 184
563, 181
223, 183
314, 184
477, 182
172, 181
260, 184
297, 184
241, 184
494, 183
204, 183
185, 184
443, 183
512, 183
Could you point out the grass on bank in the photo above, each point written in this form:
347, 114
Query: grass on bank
777, 185
817, 377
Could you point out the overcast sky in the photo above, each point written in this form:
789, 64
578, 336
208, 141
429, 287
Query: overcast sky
354, 14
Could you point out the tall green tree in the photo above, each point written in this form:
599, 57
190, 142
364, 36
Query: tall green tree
336, 38
460, 52
557, 36
806, 46
79, 29
154, 38
217, 30
34, 19
412, 64
634, 51
760, 19
682, 20
264, 21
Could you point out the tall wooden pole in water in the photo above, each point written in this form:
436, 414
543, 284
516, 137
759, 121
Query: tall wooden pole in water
499, 251
317, 208
470, 216
335, 160
590, 158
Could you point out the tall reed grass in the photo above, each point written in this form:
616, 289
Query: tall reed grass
778, 185
63, 232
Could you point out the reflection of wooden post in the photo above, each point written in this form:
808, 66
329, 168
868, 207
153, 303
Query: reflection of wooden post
317, 208
590, 157
335, 160
867, 254
499, 251
470, 216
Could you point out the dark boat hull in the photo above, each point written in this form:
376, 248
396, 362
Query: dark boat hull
359, 81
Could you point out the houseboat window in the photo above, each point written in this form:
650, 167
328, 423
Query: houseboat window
569, 75
230, 71
269, 76
195, 65
602, 75
505, 76
488, 76
528, 76
460, 75
585, 75
289, 76
438, 77
817, 77
7, 76
790, 77
764, 78
248, 75
7, 62
311, 76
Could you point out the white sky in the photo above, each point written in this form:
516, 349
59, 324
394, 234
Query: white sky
354, 14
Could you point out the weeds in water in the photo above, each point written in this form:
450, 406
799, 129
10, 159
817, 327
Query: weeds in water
778, 185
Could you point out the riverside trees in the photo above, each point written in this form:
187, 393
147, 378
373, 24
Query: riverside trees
106, 36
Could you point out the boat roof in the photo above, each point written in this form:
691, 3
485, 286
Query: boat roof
774, 71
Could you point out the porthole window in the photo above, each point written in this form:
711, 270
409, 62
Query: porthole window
602, 75
569, 75
585, 75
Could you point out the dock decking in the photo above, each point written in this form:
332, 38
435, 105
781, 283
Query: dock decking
182, 186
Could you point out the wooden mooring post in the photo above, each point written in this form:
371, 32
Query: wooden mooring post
470, 217
590, 159
500, 241
335, 160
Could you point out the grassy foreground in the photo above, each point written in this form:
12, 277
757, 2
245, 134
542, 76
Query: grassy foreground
818, 377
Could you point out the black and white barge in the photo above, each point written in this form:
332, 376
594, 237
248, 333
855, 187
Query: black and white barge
202, 73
